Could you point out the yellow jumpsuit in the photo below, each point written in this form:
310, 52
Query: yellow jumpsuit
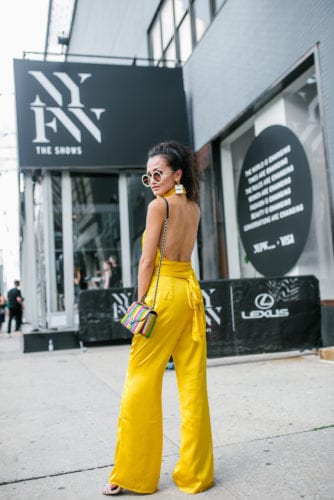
180, 332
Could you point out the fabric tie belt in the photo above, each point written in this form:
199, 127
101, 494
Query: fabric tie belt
184, 270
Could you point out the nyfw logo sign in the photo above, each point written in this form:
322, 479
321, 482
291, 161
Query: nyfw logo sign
213, 318
213, 314
78, 114
63, 108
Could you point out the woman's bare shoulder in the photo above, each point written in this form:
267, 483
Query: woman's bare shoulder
157, 206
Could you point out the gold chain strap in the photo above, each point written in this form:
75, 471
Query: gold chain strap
163, 239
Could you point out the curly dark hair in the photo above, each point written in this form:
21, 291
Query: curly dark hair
180, 157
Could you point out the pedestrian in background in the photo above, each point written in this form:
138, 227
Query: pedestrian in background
106, 274
179, 331
15, 306
2, 310
80, 283
115, 278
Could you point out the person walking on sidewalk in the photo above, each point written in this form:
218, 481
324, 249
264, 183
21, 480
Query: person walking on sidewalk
15, 306
179, 332
2, 310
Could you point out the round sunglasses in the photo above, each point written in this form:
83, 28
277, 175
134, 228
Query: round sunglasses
156, 175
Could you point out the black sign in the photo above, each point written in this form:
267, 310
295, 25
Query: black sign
273, 315
247, 316
100, 312
274, 201
76, 114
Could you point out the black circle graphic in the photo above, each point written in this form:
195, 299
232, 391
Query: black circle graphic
274, 201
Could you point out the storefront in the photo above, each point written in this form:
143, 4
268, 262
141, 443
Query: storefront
258, 105
276, 182
83, 204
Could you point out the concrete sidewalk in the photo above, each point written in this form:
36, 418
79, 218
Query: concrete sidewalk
272, 420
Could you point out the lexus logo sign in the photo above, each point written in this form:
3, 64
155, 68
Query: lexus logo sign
264, 301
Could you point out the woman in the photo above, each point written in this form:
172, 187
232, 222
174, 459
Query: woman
179, 331
106, 274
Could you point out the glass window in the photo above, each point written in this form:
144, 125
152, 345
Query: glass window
185, 38
96, 232
58, 239
40, 260
180, 8
303, 117
184, 20
207, 244
296, 108
202, 17
155, 35
167, 22
239, 148
211, 236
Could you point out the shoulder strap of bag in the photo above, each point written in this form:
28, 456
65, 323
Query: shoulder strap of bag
163, 239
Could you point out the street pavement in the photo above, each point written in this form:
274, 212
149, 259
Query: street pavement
272, 421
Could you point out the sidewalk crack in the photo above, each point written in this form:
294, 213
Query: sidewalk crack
56, 474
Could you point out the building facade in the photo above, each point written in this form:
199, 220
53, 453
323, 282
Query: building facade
258, 79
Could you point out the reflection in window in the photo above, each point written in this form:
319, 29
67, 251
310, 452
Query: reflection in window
185, 38
239, 148
201, 17
96, 231
39, 241
180, 8
211, 236
156, 39
177, 25
167, 22
207, 242
58, 239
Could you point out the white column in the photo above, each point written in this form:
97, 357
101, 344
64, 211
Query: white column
125, 232
29, 254
66, 192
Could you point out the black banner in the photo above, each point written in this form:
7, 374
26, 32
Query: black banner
273, 315
78, 114
100, 312
248, 316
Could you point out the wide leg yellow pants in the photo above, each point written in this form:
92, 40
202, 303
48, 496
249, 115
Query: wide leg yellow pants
180, 331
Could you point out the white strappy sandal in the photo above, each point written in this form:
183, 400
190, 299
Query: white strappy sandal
112, 489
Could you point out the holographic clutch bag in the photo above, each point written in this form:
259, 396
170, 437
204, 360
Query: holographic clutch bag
139, 319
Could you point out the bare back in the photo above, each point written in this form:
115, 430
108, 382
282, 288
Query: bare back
184, 214
183, 223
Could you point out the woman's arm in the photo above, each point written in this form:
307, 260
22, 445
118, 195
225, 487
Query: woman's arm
154, 223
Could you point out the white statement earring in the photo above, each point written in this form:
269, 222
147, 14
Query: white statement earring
179, 189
